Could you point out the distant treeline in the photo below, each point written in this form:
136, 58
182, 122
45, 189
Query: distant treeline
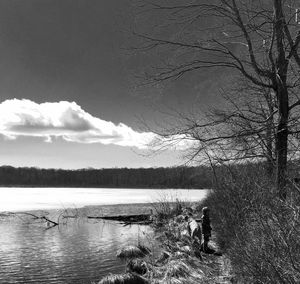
174, 177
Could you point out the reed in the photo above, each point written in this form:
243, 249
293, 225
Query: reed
137, 265
177, 268
130, 252
144, 249
126, 278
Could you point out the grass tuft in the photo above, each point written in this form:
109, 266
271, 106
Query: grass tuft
177, 268
130, 252
138, 266
126, 278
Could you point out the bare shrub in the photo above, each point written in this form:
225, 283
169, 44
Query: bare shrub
259, 230
166, 208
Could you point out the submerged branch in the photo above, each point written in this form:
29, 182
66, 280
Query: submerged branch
50, 223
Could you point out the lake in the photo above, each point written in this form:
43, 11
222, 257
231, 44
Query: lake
79, 250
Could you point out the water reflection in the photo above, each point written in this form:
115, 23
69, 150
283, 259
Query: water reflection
79, 252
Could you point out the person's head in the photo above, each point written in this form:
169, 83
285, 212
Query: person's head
188, 216
205, 211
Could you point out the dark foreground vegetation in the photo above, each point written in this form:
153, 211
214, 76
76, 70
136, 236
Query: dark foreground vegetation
175, 177
257, 229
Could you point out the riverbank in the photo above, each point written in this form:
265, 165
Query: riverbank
180, 259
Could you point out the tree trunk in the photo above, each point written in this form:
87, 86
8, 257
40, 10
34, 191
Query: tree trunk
282, 142
270, 161
270, 137
283, 101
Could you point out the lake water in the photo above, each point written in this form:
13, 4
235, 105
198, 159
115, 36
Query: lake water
79, 250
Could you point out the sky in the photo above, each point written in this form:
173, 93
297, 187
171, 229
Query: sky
69, 97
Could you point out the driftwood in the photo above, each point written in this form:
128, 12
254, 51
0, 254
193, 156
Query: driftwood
50, 223
142, 219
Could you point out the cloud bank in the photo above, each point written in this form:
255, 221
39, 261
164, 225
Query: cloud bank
66, 120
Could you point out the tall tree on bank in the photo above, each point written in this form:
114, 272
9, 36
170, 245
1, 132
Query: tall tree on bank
257, 39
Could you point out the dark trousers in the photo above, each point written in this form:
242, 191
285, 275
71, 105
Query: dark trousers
205, 243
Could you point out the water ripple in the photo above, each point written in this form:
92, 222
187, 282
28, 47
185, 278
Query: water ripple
80, 252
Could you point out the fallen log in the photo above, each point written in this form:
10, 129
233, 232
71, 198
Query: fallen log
137, 223
142, 219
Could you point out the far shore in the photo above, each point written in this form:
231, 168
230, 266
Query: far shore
101, 209
90, 186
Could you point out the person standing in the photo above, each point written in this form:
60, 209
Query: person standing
206, 229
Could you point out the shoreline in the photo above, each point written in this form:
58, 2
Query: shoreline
84, 208
181, 258
101, 187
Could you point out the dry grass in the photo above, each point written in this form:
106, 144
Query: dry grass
166, 208
259, 231
138, 266
126, 278
180, 263
178, 268
144, 249
131, 252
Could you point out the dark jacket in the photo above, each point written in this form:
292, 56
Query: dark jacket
206, 228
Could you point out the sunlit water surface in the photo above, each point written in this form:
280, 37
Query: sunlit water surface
16, 199
79, 250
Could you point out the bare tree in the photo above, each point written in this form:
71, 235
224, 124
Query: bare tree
247, 122
243, 129
257, 39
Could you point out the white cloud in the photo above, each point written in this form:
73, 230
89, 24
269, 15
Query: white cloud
66, 120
